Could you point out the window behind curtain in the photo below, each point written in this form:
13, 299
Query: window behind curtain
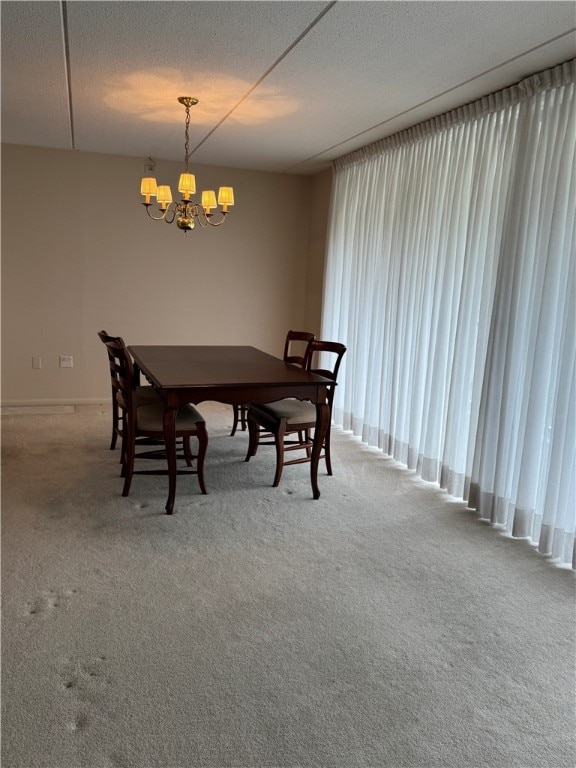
450, 278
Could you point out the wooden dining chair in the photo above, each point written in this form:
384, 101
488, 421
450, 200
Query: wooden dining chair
144, 395
144, 422
290, 421
295, 350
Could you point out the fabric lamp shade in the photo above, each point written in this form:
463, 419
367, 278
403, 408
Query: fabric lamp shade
208, 199
148, 187
226, 196
164, 195
187, 184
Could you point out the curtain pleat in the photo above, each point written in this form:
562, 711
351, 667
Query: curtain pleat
450, 278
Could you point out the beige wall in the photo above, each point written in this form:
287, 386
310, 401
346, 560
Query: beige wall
319, 210
84, 256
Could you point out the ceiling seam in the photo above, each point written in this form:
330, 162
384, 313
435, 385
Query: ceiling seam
64, 13
427, 101
273, 66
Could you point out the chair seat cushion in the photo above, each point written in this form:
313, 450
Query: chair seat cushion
143, 395
150, 418
147, 396
295, 411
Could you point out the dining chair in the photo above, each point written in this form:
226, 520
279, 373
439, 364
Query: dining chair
290, 421
144, 423
295, 350
144, 395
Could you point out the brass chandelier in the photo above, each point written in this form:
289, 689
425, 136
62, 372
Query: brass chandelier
187, 213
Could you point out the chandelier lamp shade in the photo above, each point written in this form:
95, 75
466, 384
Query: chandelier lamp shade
186, 213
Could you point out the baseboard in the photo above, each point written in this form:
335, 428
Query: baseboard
35, 410
54, 402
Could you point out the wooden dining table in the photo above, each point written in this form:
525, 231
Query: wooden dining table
227, 374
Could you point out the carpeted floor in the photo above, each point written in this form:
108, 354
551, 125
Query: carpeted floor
381, 626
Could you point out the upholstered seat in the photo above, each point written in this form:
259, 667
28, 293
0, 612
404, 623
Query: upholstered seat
294, 411
150, 418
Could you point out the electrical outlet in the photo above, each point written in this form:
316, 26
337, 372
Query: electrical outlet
36, 362
66, 361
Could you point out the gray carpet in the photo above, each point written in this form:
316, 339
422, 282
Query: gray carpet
381, 626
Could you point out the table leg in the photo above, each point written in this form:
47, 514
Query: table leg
170, 445
322, 421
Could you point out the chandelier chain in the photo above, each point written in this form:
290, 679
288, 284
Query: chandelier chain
186, 140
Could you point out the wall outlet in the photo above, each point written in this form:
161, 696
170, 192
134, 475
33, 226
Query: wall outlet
36, 362
66, 361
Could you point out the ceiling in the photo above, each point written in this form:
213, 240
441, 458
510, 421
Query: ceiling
282, 86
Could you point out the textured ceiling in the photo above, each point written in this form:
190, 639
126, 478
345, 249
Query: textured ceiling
282, 86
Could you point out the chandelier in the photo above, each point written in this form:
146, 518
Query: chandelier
187, 213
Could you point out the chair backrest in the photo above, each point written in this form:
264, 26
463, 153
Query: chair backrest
318, 351
121, 369
105, 338
292, 347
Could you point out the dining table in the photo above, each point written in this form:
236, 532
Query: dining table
236, 375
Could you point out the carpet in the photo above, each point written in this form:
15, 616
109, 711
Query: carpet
381, 626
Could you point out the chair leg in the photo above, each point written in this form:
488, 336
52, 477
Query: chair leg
327, 451
253, 433
202, 447
187, 450
236, 412
130, 452
123, 446
240, 412
114, 422
279, 442
114, 432
243, 417
307, 441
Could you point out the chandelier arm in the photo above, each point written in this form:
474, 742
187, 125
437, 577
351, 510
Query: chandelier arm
171, 210
217, 223
156, 218
200, 215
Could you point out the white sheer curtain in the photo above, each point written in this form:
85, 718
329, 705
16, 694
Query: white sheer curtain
450, 278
